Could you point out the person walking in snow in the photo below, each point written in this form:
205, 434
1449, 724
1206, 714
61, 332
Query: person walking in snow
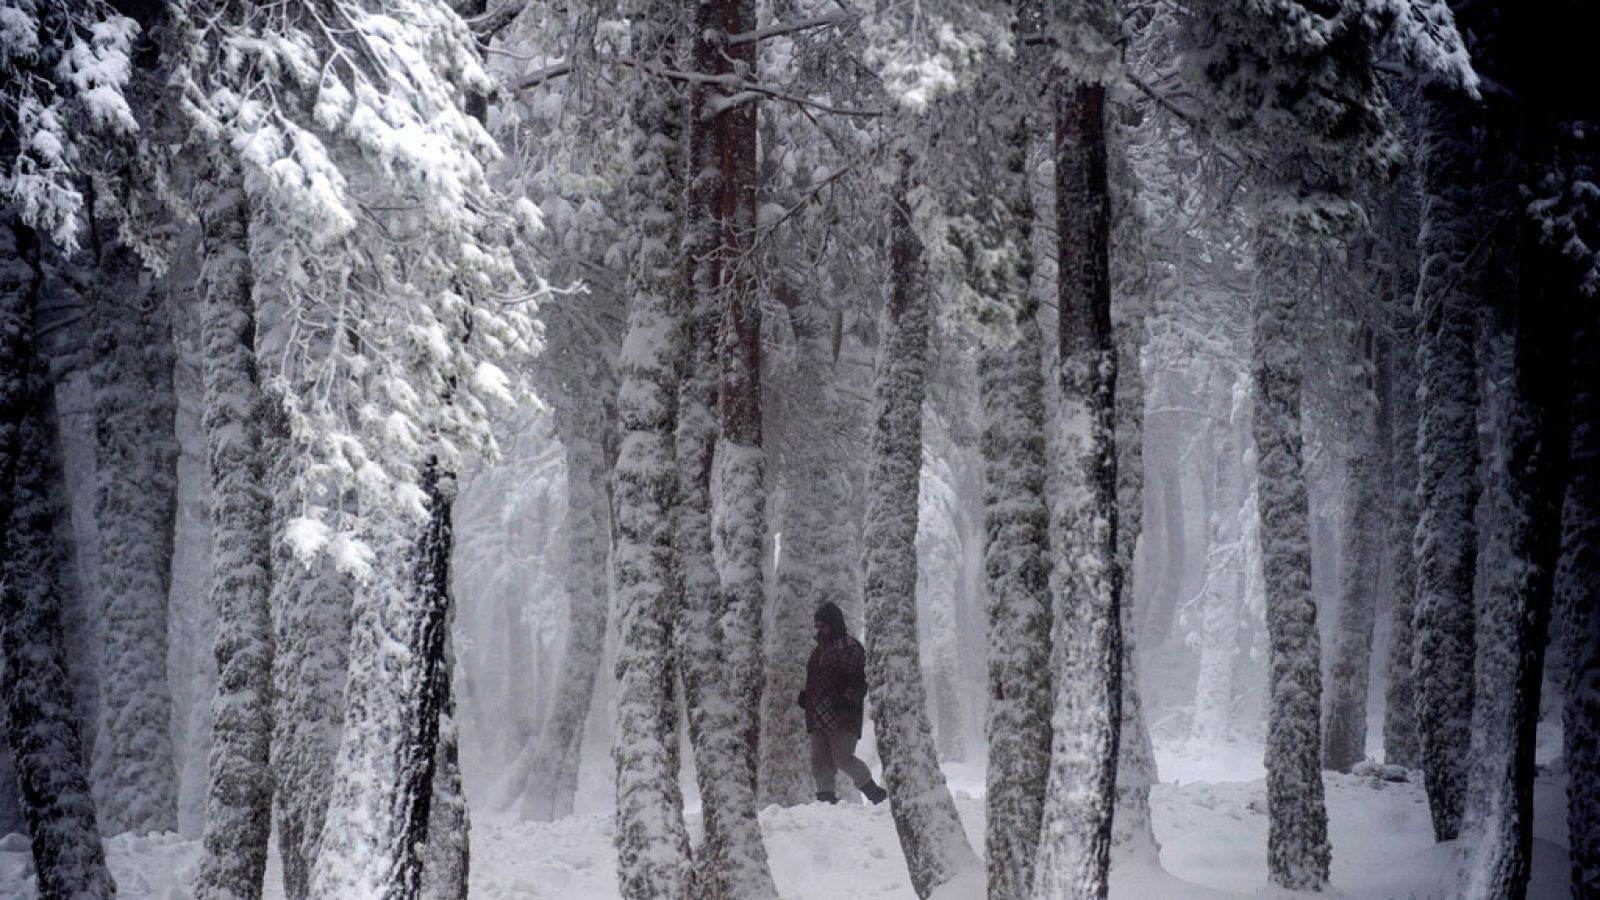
835, 691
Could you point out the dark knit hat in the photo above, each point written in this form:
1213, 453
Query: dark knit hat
831, 615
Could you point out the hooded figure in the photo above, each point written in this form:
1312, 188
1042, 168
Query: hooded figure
834, 696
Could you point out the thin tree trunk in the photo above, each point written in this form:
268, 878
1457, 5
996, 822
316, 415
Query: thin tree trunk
1447, 486
1401, 740
1297, 831
238, 820
652, 843
136, 507
935, 847
1227, 560
553, 778
1344, 737
41, 731
1075, 849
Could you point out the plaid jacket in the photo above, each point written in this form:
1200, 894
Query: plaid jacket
836, 686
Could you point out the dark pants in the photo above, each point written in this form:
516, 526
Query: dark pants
834, 751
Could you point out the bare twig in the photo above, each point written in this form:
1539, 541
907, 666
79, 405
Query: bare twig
783, 28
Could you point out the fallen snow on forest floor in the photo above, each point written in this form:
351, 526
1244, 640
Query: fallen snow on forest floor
1210, 818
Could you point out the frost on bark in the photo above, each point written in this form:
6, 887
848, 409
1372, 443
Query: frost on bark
723, 589
1515, 615
1401, 740
1344, 736
136, 453
382, 789
446, 868
40, 713
1086, 645
1447, 445
238, 819
1297, 831
1578, 600
311, 609
553, 776
935, 847
652, 844
1226, 575
1016, 519
1017, 574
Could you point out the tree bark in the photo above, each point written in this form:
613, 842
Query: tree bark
1447, 486
41, 731
1297, 832
1344, 736
135, 507
935, 847
238, 820
1578, 599
724, 611
1016, 522
1086, 652
1535, 429
652, 844
382, 792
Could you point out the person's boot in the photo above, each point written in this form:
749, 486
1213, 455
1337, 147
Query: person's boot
873, 793
827, 797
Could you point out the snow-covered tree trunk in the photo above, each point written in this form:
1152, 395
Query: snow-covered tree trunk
382, 789
1017, 570
40, 713
1297, 833
722, 624
447, 866
1223, 608
1447, 445
136, 780
311, 609
553, 778
1578, 600
935, 847
238, 819
1344, 736
1086, 664
1515, 615
1401, 740
1016, 516
652, 844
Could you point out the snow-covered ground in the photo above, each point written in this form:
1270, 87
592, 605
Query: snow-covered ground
1210, 817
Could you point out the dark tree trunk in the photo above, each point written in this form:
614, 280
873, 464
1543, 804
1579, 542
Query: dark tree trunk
1086, 646
1535, 430
1578, 598
41, 730
1447, 442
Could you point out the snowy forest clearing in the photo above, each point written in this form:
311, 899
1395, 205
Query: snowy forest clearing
1212, 834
